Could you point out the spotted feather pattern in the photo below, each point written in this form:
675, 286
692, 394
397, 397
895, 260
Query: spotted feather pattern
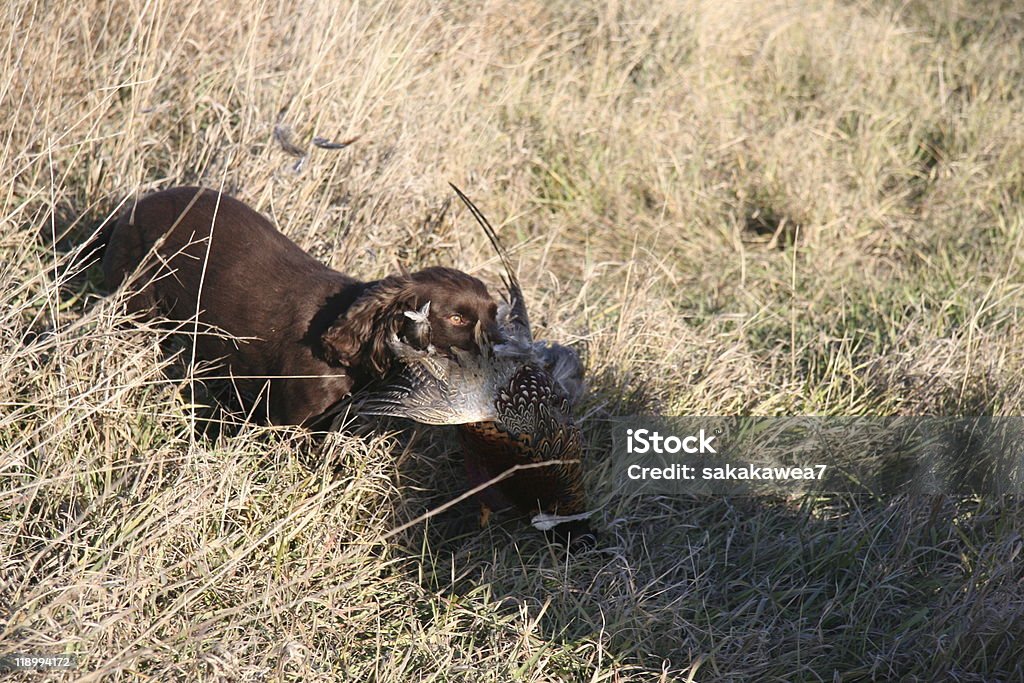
533, 424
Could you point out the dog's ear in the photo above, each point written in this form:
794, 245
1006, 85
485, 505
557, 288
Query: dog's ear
362, 333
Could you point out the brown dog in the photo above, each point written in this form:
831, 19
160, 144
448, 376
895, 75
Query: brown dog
293, 331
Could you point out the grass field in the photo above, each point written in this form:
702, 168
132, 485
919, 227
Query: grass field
767, 208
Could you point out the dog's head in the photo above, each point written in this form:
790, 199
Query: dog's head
437, 306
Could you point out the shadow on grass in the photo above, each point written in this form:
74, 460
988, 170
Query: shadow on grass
911, 589
747, 588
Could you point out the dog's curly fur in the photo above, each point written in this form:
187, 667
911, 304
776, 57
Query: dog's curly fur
289, 329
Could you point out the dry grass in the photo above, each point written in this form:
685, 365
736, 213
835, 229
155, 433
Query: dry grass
766, 208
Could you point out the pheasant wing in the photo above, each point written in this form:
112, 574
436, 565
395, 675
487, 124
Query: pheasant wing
434, 389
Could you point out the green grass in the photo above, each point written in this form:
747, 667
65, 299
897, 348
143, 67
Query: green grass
766, 208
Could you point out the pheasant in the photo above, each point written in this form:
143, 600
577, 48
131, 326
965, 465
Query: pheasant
512, 403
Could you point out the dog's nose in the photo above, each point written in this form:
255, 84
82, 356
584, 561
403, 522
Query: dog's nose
494, 333
487, 334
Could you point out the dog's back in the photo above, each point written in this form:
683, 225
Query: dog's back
212, 263
245, 250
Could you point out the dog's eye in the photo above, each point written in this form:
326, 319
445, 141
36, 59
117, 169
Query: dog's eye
458, 320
